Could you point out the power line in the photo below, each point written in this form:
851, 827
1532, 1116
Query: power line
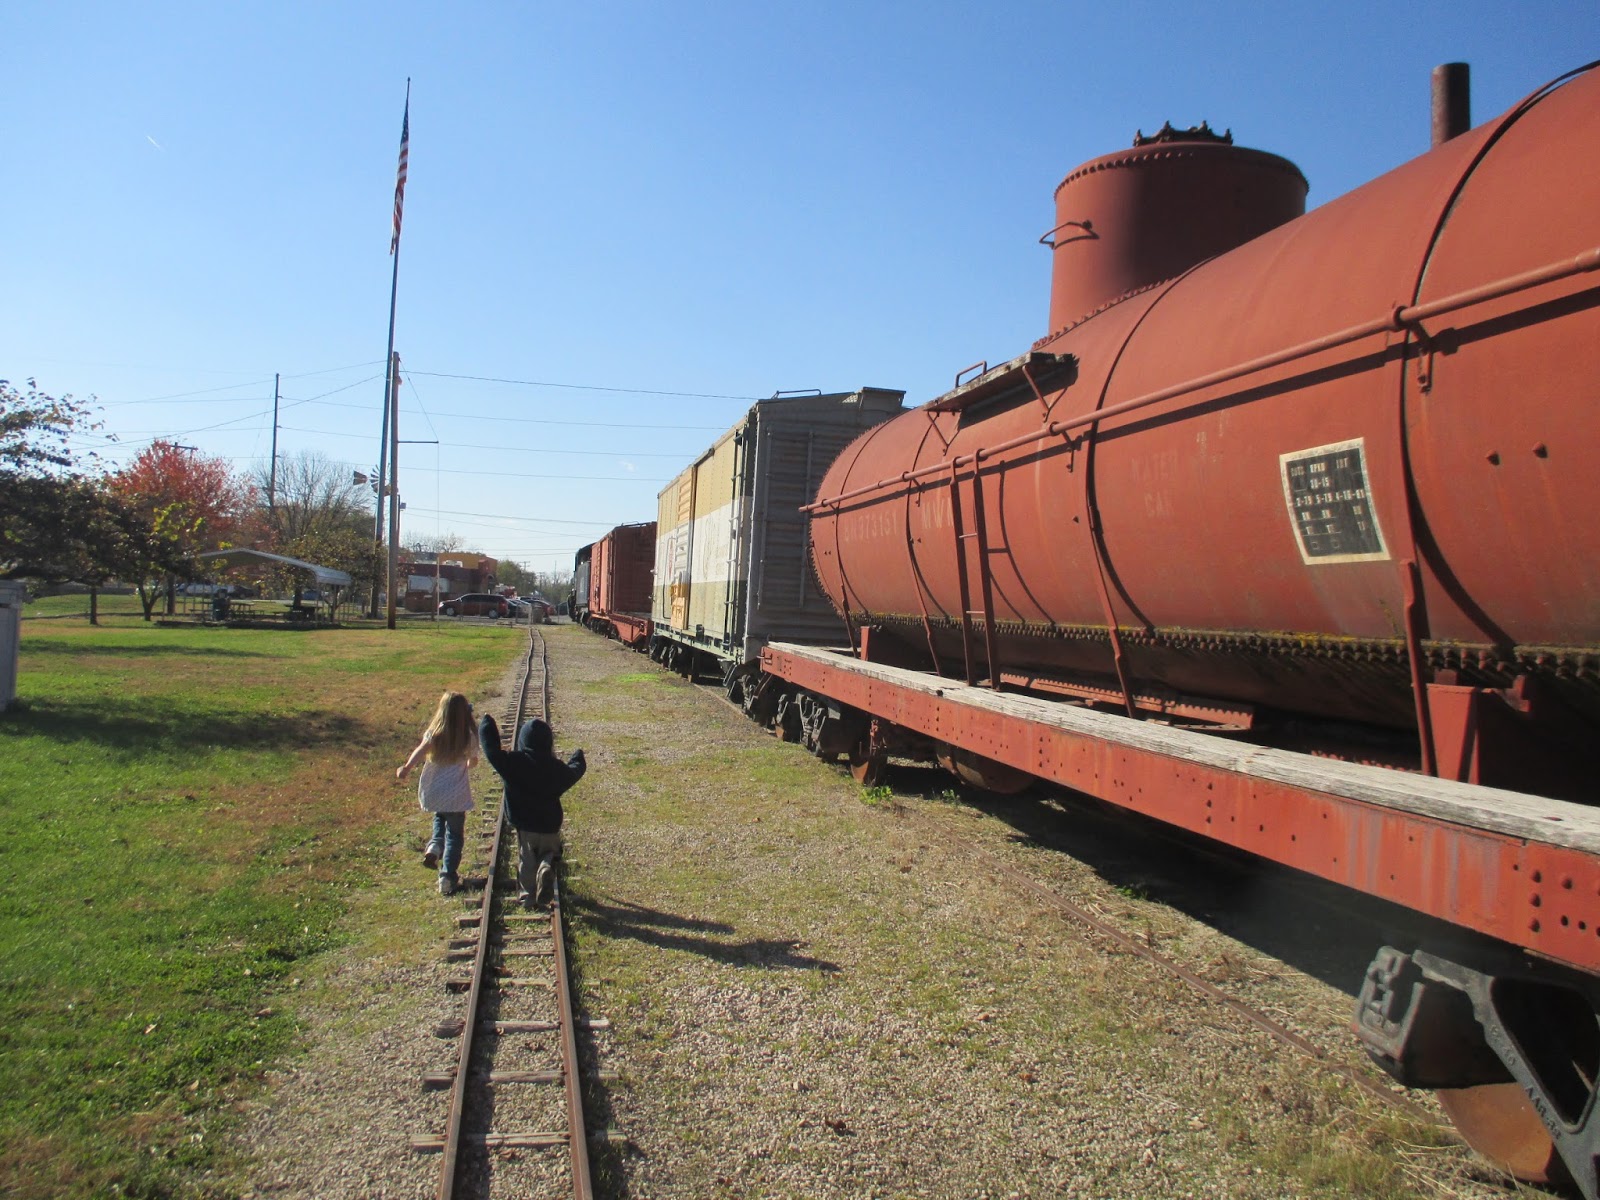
467, 416
501, 516
588, 387
235, 386
514, 449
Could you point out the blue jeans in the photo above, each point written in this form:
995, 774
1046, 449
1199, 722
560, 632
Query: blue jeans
449, 831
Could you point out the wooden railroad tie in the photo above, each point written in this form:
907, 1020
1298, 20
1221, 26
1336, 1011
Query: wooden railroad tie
435, 1141
505, 981
453, 1027
434, 1080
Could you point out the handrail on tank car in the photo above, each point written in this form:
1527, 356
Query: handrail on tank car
1393, 321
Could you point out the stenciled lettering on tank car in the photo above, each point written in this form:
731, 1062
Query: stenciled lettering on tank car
1326, 490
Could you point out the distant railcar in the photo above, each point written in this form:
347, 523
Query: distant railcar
578, 601
620, 571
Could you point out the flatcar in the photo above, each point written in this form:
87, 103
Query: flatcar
1282, 534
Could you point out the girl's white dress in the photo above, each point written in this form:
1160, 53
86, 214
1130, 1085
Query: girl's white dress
444, 787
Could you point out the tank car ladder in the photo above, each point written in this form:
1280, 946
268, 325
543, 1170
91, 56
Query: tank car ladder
978, 534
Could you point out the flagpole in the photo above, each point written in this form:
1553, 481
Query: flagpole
394, 484
388, 358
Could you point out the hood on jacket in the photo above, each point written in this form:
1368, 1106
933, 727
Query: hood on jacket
536, 736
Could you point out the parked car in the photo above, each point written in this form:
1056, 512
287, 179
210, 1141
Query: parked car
475, 604
530, 608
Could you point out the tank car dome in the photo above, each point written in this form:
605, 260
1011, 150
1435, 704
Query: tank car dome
1131, 219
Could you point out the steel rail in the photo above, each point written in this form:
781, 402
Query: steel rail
577, 1133
578, 1141
458, 1095
1397, 320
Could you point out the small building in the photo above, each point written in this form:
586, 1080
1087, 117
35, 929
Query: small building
433, 578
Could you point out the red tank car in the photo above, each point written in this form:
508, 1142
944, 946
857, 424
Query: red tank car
1284, 501
1339, 471
621, 567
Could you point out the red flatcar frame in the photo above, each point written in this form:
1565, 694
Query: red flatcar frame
1523, 869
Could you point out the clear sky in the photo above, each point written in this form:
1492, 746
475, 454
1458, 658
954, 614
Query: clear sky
625, 221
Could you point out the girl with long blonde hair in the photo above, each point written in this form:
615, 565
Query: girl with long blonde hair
448, 751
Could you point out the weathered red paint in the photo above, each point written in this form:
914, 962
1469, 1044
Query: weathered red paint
1136, 217
631, 630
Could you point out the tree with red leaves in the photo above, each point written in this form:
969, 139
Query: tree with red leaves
194, 503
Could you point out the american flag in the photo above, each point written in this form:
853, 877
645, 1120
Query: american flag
400, 182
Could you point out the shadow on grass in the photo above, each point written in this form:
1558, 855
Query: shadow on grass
88, 649
154, 724
671, 932
1320, 928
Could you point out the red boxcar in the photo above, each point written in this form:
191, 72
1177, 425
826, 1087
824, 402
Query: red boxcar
621, 570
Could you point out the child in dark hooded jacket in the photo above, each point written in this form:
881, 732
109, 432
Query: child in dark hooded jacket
534, 781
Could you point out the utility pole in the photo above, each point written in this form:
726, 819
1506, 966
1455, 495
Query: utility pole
394, 479
172, 598
272, 474
395, 533
383, 462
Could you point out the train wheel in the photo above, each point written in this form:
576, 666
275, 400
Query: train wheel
868, 768
1499, 1123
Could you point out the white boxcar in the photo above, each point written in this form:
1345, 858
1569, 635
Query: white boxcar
733, 566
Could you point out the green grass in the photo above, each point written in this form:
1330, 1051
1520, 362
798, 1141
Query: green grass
189, 814
67, 607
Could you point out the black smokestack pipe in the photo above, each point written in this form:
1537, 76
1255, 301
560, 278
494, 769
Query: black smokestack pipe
1452, 101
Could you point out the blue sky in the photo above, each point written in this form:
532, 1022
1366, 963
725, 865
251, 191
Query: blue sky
646, 214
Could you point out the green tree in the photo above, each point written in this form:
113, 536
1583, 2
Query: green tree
42, 495
514, 574
317, 515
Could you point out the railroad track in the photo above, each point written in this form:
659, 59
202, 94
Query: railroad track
517, 964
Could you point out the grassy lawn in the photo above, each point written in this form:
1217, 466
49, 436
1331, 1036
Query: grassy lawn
190, 814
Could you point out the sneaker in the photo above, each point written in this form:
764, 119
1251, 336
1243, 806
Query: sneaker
447, 886
525, 899
430, 856
543, 882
